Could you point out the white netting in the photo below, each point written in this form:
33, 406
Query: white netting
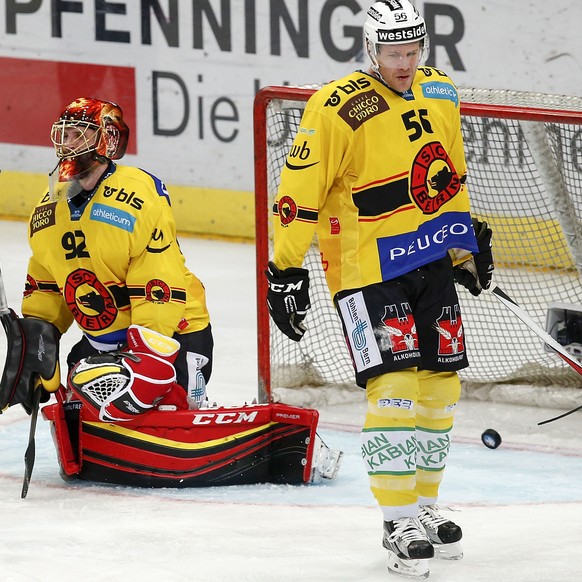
99, 380
525, 179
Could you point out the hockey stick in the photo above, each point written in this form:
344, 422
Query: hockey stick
4, 310
542, 334
30, 453
5, 318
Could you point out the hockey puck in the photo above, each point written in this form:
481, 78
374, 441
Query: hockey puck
491, 438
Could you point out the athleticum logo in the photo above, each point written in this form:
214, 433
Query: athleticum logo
438, 90
113, 216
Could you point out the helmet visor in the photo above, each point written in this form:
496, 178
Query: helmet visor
399, 56
72, 138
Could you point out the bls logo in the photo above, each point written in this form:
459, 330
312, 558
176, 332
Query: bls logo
342, 90
123, 196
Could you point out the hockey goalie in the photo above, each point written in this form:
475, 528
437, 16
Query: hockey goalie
159, 446
105, 255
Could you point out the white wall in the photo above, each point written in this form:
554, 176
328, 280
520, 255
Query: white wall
531, 45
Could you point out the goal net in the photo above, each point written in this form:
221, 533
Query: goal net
524, 156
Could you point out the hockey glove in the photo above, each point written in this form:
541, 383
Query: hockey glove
476, 273
288, 299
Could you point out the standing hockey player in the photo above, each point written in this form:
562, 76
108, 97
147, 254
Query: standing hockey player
378, 170
105, 254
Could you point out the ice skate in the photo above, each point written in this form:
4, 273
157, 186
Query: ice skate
409, 549
442, 533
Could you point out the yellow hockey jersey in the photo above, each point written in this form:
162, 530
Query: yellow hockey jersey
380, 176
110, 260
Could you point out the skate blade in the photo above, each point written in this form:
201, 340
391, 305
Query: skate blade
416, 569
448, 551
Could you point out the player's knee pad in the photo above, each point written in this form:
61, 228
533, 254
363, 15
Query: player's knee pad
392, 396
439, 395
122, 385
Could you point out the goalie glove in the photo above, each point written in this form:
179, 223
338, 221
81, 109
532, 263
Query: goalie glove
288, 299
476, 273
121, 385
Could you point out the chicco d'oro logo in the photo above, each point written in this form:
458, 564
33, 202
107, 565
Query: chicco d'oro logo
434, 180
42, 217
89, 301
362, 107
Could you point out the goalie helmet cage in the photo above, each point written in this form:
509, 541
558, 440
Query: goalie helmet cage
524, 157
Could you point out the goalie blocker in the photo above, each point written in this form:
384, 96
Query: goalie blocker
260, 443
32, 358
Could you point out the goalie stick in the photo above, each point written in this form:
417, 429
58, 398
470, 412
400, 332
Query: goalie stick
6, 316
542, 334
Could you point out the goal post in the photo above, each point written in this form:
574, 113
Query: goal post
524, 158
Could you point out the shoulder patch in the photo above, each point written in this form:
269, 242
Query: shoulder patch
362, 107
113, 216
345, 89
440, 90
42, 217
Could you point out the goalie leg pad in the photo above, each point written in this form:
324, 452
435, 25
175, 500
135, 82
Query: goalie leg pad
122, 385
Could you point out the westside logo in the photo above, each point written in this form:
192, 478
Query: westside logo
410, 33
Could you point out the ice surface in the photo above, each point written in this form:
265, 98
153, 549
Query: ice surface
520, 506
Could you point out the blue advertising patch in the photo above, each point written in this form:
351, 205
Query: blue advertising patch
403, 253
438, 90
113, 216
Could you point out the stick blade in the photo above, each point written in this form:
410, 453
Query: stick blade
30, 453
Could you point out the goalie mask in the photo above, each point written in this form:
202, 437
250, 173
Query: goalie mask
394, 22
88, 132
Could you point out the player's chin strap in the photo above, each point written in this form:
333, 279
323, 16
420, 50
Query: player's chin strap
542, 334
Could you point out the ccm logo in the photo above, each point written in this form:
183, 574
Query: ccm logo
285, 287
224, 417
